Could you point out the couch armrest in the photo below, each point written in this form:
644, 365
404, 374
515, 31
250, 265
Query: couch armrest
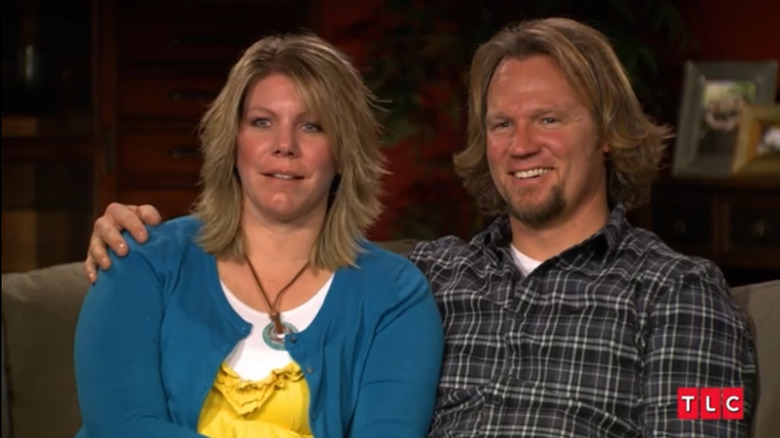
761, 301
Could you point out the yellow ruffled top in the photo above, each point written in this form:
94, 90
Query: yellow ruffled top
275, 407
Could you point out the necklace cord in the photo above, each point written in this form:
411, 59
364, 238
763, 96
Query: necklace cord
273, 312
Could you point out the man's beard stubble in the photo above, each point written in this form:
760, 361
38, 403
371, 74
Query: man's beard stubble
536, 216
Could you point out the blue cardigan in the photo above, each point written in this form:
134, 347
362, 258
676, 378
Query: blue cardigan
155, 327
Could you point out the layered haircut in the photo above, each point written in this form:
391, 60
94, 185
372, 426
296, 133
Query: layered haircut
594, 71
334, 92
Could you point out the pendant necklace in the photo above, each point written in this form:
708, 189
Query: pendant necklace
274, 332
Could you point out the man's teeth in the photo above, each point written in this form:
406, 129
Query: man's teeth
531, 173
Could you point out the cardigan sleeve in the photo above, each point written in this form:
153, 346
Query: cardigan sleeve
401, 374
117, 353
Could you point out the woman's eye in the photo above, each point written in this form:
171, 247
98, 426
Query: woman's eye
261, 122
312, 127
500, 125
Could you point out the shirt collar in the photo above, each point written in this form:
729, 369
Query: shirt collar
497, 237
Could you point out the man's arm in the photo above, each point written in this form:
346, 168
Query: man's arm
697, 338
107, 233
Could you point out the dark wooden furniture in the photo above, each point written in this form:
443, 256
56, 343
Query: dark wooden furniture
734, 222
101, 99
166, 61
47, 142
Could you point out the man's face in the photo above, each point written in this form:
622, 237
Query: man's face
542, 144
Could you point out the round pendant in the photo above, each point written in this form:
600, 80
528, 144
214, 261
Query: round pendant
276, 340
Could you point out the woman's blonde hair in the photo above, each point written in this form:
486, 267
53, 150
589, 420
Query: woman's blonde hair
334, 91
593, 69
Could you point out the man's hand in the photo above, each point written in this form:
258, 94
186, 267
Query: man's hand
107, 232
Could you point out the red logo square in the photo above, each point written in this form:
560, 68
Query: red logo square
732, 404
687, 403
710, 403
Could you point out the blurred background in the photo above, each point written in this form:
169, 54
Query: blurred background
100, 100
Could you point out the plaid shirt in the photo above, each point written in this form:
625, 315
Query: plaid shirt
594, 342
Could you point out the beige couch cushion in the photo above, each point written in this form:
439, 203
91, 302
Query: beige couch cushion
40, 309
762, 302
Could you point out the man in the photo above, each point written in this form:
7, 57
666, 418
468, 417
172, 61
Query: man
560, 318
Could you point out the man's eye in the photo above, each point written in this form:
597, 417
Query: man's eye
549, 120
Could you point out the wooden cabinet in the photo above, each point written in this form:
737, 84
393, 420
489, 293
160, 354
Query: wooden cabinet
162, 65
734, 222
47, 141
47, 203
144, 153
101, 99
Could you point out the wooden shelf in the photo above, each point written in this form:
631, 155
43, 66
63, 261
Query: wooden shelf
732, 183
43, 149
734, 222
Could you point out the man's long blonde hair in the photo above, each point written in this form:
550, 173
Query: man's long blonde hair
593, 69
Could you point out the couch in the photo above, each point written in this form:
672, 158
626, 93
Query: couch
40, 308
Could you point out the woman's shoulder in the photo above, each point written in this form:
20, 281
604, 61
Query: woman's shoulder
384, 284
170, 252
382, 266
170, 239
375, 257
181, 230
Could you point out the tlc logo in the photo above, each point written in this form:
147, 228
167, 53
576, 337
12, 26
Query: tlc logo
709, 403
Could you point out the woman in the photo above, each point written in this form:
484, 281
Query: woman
266, 312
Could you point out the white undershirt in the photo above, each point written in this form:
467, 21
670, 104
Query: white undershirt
251, 358
525, 263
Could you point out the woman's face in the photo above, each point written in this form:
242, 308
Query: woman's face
284, 158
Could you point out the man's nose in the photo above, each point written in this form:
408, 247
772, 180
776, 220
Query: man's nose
525, 141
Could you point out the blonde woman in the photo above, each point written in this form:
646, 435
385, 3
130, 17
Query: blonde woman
266, 313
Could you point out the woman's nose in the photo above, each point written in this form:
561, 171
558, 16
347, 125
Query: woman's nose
285, 144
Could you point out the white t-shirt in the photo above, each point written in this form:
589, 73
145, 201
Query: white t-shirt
525, 263
252, 358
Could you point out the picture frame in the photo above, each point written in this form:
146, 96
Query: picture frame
758, 141
712, 98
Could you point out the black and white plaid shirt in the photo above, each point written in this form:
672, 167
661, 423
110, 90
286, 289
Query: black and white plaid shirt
594, 342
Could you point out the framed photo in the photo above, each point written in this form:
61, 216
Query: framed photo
758, 141
713, 96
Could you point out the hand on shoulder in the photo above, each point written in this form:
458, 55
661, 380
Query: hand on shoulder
107, 233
